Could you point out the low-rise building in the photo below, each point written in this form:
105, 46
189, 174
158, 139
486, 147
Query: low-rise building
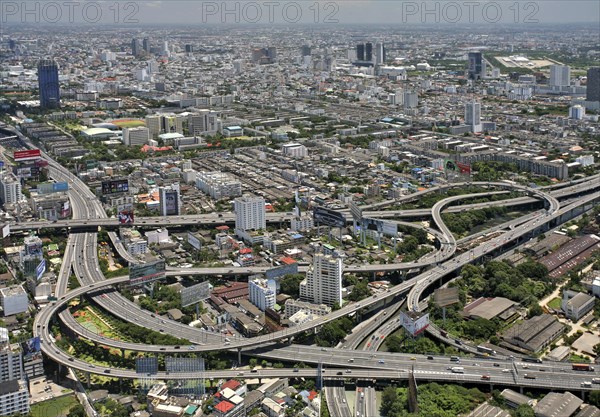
13, 300
293, 306
556, 404
575, 305
534, 334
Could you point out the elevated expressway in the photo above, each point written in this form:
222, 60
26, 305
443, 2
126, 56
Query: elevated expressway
41, 327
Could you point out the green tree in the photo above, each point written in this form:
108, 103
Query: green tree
524, 410
595, 398
290, 284
76, 411
388, 397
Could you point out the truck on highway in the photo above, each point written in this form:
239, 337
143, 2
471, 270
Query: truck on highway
586, 384
458, 370
487, 350
582, 367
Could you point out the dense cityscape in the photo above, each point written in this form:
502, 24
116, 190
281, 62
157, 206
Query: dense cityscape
298, 220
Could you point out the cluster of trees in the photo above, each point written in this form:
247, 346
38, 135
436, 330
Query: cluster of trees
435, 400
422, 345
464, 222
493, 170
333, 332
290, 285
525, 283
360, 288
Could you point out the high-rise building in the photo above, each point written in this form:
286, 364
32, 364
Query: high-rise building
360, 52
476, 69
136, 136
411, 99
11, 362
473, 116
264, 55
170, 200
380, 53
323, 282
135, 47
189, 48
48, 84
368, 51
203, 122
250, 213
262, 293
146, 44
576, 112
593, 84
14, 398
164, 123
560, 76
10, 189
306, 50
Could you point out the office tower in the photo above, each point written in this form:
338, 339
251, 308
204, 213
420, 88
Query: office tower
264, 56
593, 84
476, 69
136, 136
165, 48
170, 200
203, 122
360, 52
306, 51
238, 66
10, 189
473, 113
379, 53
48, 84
135, 47
146, 44
262, 293
576, 112
12, 45
323, 282
560, 76
189, 48
411, 99
250, 213
368, 51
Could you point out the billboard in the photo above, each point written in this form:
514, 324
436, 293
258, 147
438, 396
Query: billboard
194, 241
6, 230
41, 268
52, 187
125, 214
389, 228
464, 168
66, 210
31, 348
278, 272
446, 296
145, 273
356, 211
24, 172
29, 155
414, 323
327, 217
195, 293
171, 203
115, 186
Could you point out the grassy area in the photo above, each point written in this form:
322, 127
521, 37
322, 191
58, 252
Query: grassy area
555, 303
55, 407
578, 358
128, 123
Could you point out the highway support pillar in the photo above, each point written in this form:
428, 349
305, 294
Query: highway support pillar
88, 379
521, 389
239, 355
122, 352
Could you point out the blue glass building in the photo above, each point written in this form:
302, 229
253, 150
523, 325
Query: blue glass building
48, 84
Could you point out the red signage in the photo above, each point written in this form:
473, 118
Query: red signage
27, 155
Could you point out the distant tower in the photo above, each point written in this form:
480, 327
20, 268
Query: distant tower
368, 51
560, 76
323, 282
48, 84
379, 53
135, 47
146, 44
593, 84
360, 52
476, 69
306, 50
473, 116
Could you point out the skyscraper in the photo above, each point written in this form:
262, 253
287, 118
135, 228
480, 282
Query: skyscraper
411, 99
560, 75
476, 70
593, 84
169, 203
48, 84
306, 50
379, 53
250, 213
323, 282
360, 52
135, 47
368, 51
473, 116
146, 44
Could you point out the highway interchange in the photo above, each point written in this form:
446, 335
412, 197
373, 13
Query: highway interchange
81, 255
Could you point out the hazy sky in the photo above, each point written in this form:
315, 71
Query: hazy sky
460, 12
